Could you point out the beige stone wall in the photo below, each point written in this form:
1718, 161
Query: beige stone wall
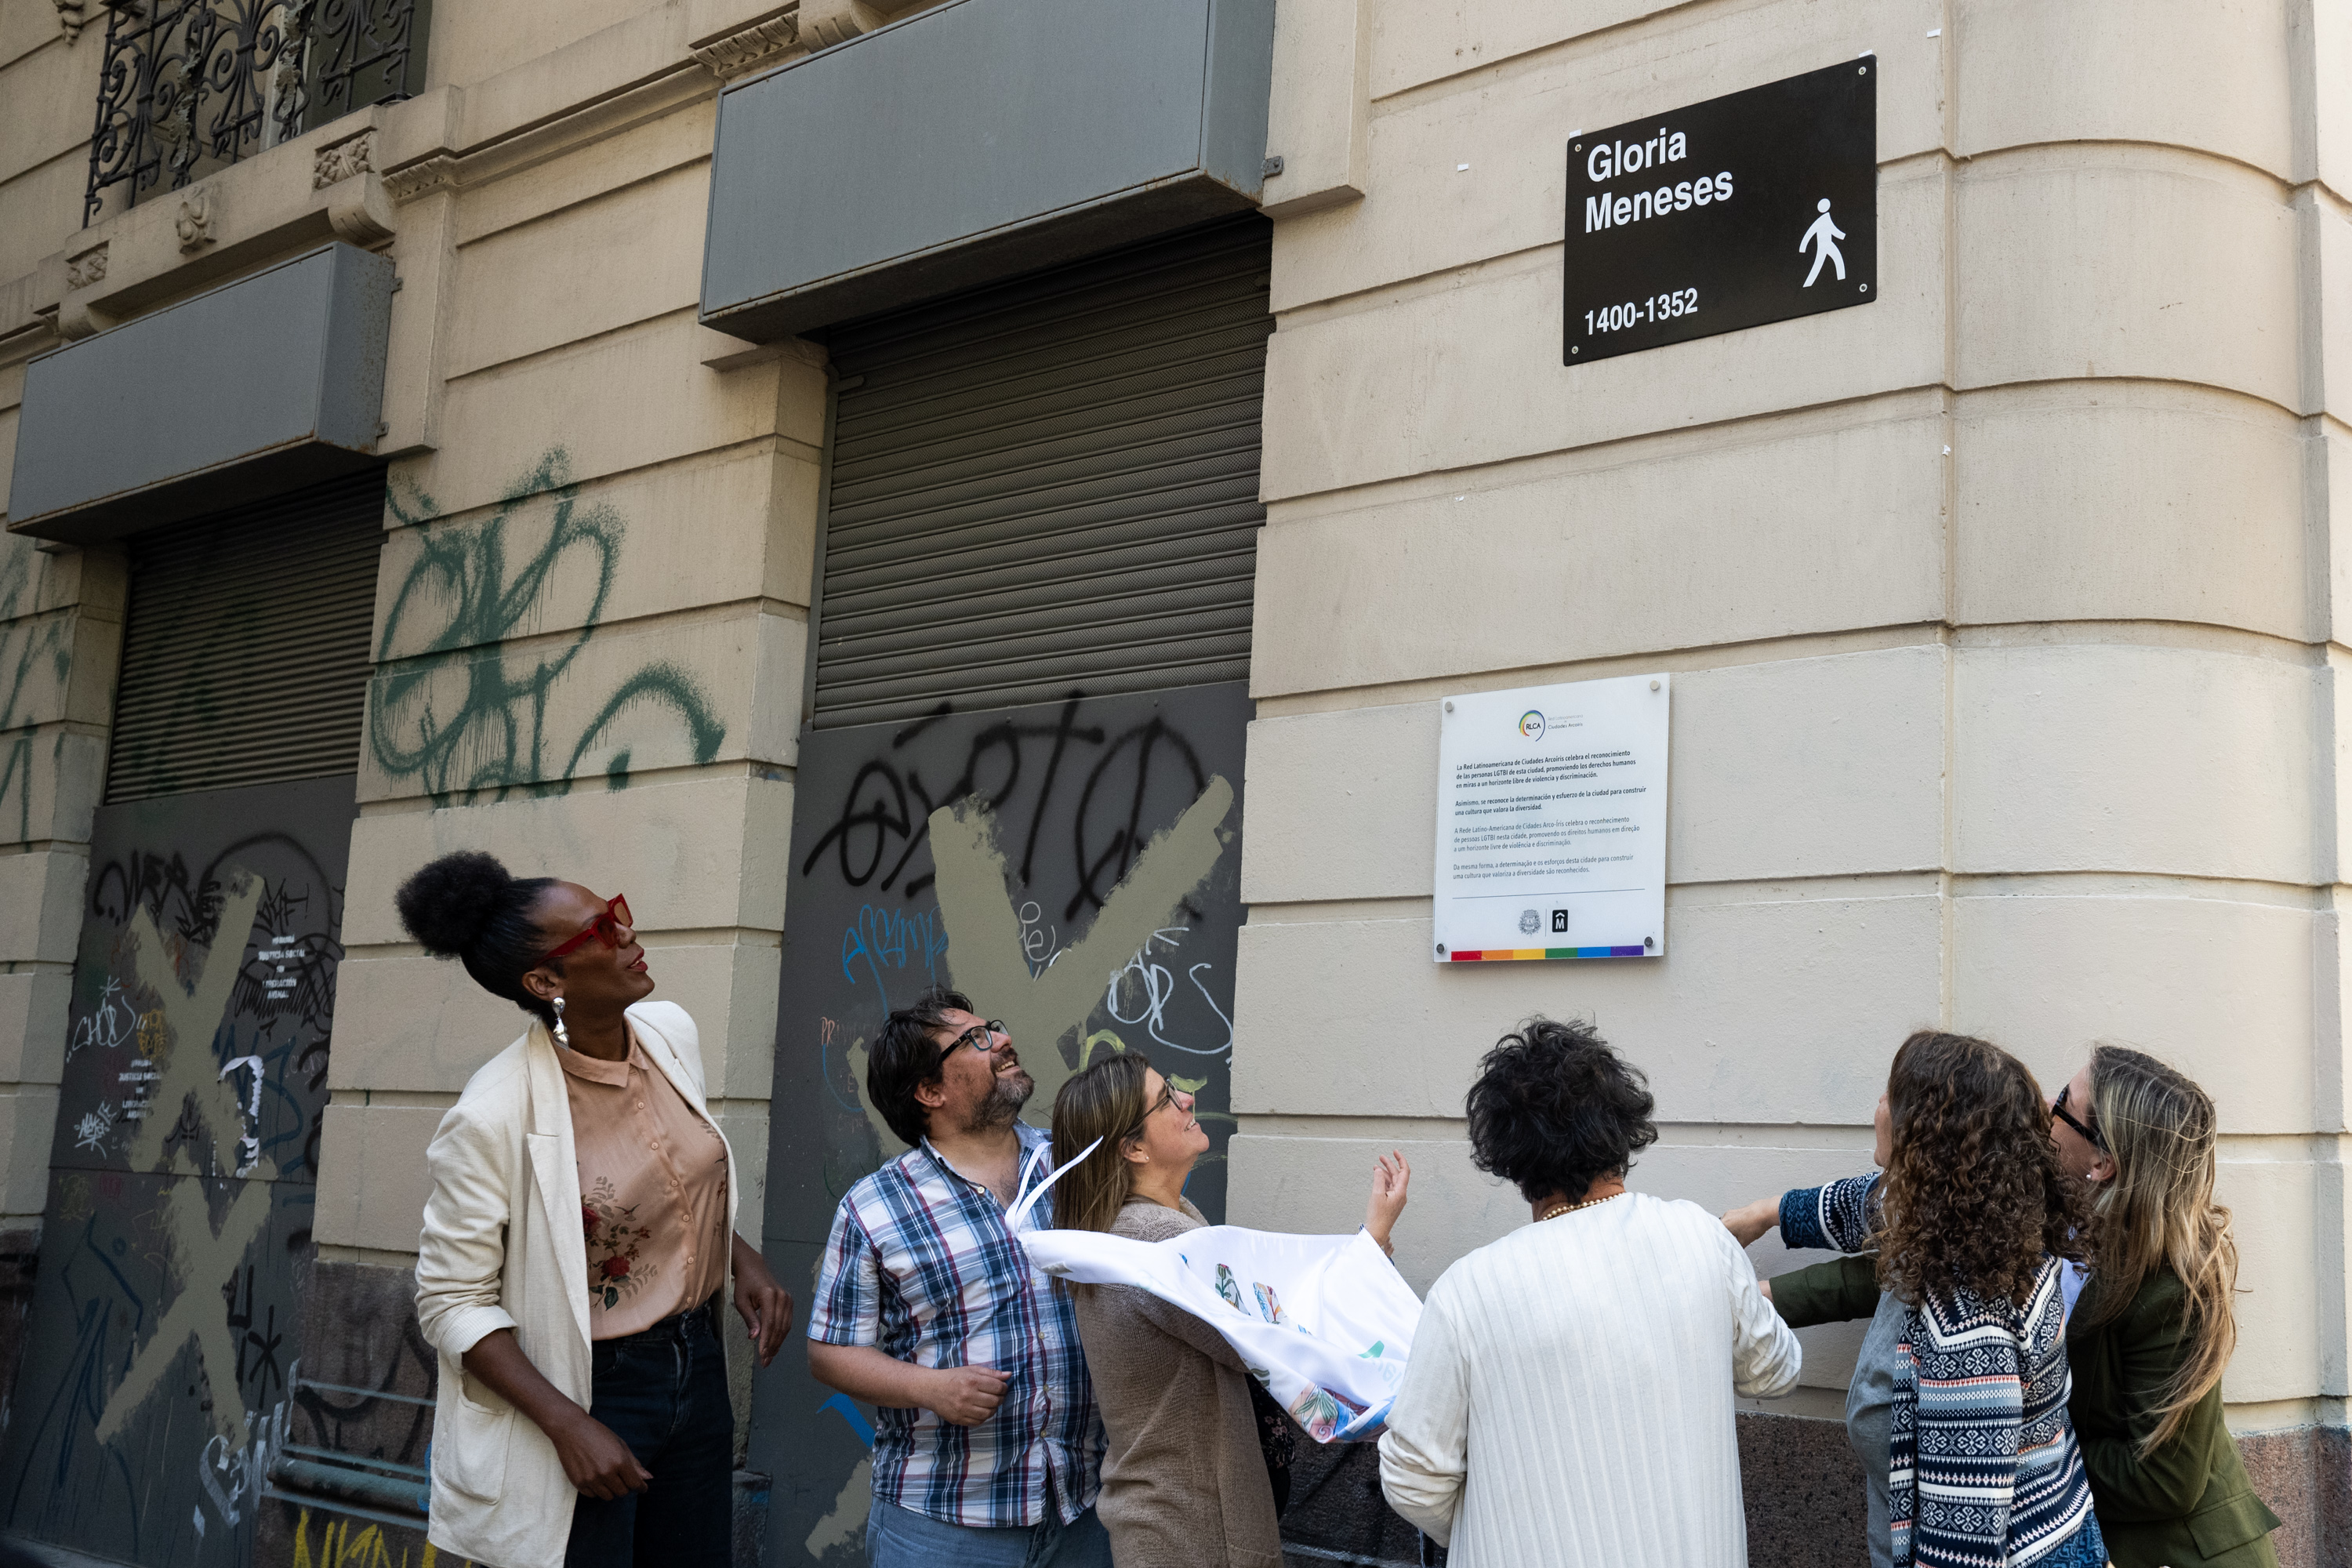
590, 626
60, 630
47, 79
590, 622
2007, 615
60, 619
592, 615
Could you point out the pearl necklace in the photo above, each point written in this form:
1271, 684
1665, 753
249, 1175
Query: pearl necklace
1571, 1208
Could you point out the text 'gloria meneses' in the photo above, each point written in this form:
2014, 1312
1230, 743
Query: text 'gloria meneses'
1610, 160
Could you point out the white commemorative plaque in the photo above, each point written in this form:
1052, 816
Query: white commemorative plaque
1552, 822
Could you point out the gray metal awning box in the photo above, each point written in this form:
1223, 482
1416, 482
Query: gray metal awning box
977, 139
259, 386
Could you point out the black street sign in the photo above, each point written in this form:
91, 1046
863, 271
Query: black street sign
1748, 208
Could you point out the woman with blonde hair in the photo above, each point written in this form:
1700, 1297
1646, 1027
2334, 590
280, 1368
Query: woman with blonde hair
2154, 1327
1198, 1451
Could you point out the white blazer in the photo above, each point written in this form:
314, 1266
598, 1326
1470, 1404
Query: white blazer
503, 1249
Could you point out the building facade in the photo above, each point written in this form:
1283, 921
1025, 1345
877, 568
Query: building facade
998, 492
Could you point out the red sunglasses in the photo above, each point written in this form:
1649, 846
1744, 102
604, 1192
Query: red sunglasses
605, 928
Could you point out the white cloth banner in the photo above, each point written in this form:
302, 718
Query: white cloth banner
1325, 1322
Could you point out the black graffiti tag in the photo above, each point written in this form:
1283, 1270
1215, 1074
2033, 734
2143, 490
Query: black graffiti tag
884, 806
1138, 748
1138, 776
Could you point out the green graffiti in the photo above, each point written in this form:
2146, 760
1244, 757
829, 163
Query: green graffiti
658, 686
27, 648
493, 740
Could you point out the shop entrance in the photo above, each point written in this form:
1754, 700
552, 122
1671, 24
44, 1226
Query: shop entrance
1035, 589
159, 1378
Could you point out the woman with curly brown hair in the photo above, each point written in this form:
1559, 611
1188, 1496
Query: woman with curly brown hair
2155, 1326
1970, 1221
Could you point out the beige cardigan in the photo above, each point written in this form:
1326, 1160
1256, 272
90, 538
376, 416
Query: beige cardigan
503, 1249
1183, 1481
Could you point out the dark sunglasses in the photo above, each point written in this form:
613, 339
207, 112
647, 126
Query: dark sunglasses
981, 1037
605, 928
2089, 1130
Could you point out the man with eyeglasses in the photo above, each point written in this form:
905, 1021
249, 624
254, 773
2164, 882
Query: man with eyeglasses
987, 1448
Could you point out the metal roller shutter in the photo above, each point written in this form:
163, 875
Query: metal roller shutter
245, 648
1048, 485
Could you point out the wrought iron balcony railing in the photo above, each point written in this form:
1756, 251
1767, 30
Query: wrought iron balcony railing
187, 87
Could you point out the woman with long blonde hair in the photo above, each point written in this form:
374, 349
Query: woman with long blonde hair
1191, 1474
2153, 1329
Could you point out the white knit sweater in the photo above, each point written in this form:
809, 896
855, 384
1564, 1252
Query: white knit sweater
1570, 1398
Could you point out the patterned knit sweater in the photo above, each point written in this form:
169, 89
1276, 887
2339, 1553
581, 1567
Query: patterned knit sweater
1983, 1466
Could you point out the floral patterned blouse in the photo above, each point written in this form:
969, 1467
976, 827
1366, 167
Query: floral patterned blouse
653, 1192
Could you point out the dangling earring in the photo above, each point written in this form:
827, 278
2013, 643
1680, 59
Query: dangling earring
561, 1037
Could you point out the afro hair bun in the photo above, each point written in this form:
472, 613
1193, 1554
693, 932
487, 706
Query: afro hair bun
449, 904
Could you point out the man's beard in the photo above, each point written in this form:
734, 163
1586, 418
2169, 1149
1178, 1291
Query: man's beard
1006, 1095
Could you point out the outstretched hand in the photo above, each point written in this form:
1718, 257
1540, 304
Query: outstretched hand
1749, 1222
1390, 1176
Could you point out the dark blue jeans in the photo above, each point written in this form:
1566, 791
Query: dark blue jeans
664, 1393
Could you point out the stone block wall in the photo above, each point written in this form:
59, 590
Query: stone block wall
60, 633
591, 620
590, 625
2006, 616
2006, 612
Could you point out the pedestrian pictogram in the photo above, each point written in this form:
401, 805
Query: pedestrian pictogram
1828, 233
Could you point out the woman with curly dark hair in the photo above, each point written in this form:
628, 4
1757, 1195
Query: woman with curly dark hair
1971, 1222
577, 1238
1568, 1403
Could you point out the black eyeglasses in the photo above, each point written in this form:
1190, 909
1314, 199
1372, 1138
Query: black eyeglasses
2089, 1130
981, 1037
1166, 1097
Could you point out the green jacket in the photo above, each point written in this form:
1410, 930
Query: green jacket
2189, 1504
1833, 1292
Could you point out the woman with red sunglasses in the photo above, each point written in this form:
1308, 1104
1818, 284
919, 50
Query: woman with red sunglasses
579, 1233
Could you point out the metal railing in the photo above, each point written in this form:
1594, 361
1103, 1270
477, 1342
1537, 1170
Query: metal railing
187, 87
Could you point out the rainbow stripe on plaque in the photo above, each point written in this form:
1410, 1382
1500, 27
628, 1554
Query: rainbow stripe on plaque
1491, 955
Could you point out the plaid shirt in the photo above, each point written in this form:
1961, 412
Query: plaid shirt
921, 1263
